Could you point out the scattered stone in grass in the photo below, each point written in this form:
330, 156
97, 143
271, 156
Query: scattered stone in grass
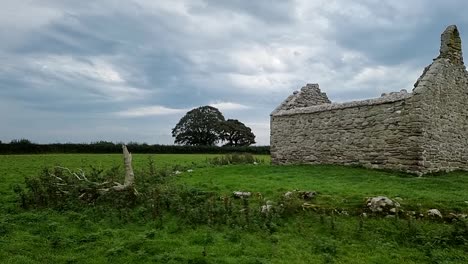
434, 213
190, 171
342, 212
456, 217
306, 195
289, 194
381, 204
177, 172
266, 208
255, 163
241, 195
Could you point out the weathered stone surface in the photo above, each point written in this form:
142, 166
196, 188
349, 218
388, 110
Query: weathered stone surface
309, 95
306, 195
434, 213
382, 204
267, 207
419, 132
451, 47
241, 195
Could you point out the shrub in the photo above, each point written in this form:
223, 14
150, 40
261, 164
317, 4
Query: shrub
62, 188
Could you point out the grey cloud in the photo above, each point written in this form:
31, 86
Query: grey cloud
62, 38
270, 12
409, 33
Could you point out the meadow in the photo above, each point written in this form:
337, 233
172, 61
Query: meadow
336, 232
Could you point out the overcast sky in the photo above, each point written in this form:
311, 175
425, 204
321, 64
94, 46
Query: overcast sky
84, 71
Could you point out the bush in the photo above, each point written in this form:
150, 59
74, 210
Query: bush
61, 188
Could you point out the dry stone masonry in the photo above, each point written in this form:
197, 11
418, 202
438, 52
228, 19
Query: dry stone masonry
420, 132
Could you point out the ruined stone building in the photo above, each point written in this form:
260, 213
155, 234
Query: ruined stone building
419, 132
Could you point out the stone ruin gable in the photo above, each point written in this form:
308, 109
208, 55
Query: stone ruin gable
309, 95
440, 97
419, 132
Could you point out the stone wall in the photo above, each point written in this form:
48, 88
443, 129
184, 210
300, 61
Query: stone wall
419, 132
443, 109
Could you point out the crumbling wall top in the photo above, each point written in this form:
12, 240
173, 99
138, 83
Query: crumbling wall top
309, 95
450, 46
450, 55
384, 99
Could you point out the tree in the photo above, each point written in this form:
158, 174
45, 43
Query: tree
199, 127
236, 133
22, 141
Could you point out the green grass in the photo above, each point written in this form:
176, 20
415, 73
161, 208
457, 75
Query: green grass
14, 168
338, 186
50, 236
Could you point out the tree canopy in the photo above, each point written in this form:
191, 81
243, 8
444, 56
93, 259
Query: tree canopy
206, 126
199, 127
235, 133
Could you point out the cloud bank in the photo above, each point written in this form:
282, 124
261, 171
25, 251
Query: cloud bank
81, 71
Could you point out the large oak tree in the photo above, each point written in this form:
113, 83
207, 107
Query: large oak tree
199, 127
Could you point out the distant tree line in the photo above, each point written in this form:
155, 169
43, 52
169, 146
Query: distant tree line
197, 132
24, 146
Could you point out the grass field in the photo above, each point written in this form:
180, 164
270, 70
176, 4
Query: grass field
83, 236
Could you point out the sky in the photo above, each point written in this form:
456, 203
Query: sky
127, 71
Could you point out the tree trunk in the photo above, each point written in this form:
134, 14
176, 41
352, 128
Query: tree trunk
129, 175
